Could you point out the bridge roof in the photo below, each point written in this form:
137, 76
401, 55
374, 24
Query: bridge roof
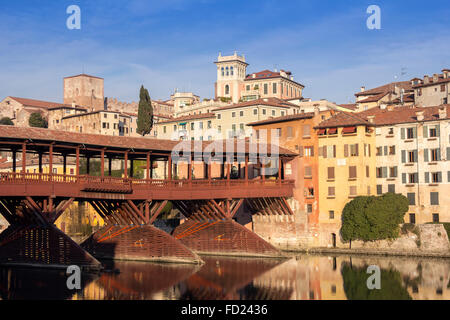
39, 135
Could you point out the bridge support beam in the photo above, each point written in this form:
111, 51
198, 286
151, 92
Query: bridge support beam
129, 234
32, 239
210, 229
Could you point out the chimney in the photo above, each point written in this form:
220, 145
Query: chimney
316, 109
435, 77
443, 113
363, 89
426, 79
371, 119
419, 115
446, 73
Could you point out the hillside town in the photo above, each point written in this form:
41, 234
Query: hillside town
394, 138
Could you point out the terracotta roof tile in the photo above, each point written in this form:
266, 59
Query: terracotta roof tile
122, 143
190, 117
275, 102
386, 88
39, 103
343, 119
291, 117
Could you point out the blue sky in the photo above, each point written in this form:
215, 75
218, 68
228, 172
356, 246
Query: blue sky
173, 43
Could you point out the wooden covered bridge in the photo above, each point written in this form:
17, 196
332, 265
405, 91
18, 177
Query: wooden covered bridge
197, 178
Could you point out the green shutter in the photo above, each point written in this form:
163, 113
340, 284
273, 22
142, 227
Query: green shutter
440, 177
403, 133
416, 158
385, 172
427, 177
426, 155
425, 131
403, 178
439, 154
385, 150
448, 176
404, 156
438, 130
414, 132
448, 154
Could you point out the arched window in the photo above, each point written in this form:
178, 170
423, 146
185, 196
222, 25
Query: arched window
223, 71
231, 70
227, 89
227, 71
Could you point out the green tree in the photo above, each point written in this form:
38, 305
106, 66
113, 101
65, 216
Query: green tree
37, 121
372, 218
355, 284
5, 121
145, 113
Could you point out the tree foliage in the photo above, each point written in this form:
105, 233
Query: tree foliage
5, 121
372, 218
145, 113
355, 284
37, 121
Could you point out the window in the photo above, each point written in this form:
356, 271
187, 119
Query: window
266, 88
367, 172
104, 125
248, 87
413, 178
227, 88
241, 113
410, 133
241, 127
309, 208
354, 150
209, 124
391, 131
434, 198
412, 198
164, 129
379, 189
273, 112
435, 155
411, 156
264, 111
391, 188
219, 129
278, 132
289, 132
436, 217
442, 87
174, 127
352, 172
105, 115
309, 151
233, 114
255, 112
436, 177
331, 173
433, 132
393, 172
379, 151
352, 190
192, 126
219, 116
274, 88
282, 113
72, 171
331, 214
200, 125
308, 172
331, 191
306, 131
392, 150
412, 218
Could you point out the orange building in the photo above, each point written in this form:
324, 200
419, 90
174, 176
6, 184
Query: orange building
296, 133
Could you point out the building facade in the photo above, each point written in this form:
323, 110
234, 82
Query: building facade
432, 91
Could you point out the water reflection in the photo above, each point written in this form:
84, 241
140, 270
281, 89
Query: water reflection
299, 278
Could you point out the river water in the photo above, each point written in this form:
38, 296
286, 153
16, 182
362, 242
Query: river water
301, 277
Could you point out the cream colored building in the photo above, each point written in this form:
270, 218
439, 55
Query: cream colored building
432, 91
412, 158
191, 127
392, 93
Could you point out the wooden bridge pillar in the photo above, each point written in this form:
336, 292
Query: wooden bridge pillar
130, 235
32, 238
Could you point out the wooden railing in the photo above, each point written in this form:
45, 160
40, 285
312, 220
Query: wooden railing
115, 181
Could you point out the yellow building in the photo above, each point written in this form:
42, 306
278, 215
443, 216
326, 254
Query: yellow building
347, 165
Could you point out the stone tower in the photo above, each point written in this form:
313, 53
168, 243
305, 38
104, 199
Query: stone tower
84, 90
231, 72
